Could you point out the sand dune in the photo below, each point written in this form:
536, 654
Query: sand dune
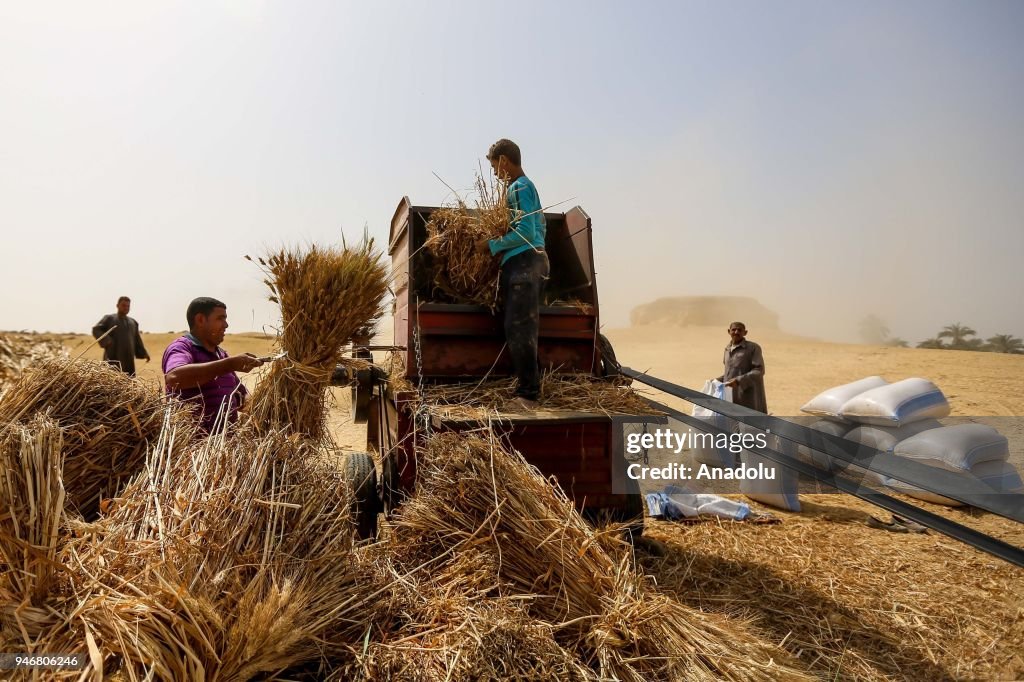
699, 311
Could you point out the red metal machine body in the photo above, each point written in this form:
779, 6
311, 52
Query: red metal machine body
464, 341
460, 342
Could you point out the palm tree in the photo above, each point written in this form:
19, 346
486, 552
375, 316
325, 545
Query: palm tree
932, 343
1006, 343
958, 336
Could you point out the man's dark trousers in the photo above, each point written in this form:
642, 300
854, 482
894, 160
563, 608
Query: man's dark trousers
523, 277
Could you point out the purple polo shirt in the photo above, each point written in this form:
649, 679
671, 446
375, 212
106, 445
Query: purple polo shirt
207, 398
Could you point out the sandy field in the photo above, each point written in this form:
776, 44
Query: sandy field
852, 601
976, 384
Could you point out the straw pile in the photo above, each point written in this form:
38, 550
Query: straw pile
854, 602
450, 637
573, 392
536, 548
461, 271
107, 417
231, 560
18, 351
326, 296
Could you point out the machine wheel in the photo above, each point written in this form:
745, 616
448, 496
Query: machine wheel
361, 474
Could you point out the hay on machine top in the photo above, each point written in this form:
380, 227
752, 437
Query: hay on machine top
464, 340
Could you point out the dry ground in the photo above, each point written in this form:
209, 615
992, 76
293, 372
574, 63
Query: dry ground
852, 602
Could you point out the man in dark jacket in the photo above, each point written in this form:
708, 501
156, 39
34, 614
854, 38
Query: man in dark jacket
744, 370
122, 346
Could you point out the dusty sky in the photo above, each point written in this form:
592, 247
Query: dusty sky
829, 159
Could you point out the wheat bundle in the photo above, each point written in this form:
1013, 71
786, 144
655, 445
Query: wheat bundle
326, 297
18, 351
232, 560
31, 515
473, 493
575, 392
108, 418
470, 488
461, 270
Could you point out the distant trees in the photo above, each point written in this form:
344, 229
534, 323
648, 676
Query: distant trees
1005, 343
959, 336
956, 336
963, 337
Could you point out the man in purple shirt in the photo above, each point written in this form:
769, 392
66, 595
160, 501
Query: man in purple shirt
198, 371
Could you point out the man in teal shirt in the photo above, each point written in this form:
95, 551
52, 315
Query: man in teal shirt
524, 268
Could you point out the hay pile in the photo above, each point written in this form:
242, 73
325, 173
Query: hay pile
461, 271
439, 622
484, 523
107, 418
18, 351
326, 297
225, 559
222, 558
573, 392
854, 602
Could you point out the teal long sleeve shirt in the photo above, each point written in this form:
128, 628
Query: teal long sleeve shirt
528, 228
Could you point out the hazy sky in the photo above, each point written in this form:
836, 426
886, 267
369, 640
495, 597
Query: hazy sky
830, 159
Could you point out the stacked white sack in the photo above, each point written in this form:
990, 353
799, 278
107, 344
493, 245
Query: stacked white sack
897, 404
829, 402
976, 452
873, 439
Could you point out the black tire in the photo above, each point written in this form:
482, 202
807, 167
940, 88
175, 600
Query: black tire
361, 474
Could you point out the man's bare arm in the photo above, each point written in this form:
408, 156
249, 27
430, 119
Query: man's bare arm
197, 374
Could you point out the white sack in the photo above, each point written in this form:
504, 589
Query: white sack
897, 404
830, 401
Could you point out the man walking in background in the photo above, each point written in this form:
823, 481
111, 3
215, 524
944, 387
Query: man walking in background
744, 370
122, 346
